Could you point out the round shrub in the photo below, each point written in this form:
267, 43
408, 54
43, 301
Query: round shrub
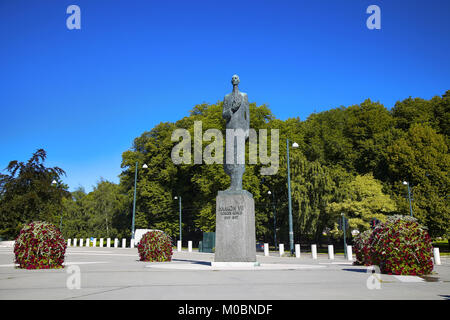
155, 246
362, 248
40, 245
401, 246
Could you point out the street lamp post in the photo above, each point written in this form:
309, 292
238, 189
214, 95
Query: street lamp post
274, 220
409, 197
60, 220
134, 199
179, 206
344, 226
291, 230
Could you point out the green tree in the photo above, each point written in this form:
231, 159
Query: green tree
27, 194
197, 184
103, 205
155, 204
75, 218
314, 186
334, 146
365, 200
413, 111
421, 157
101, 213
442, 114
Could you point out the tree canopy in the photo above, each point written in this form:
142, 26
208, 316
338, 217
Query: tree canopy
350, 160
27, 193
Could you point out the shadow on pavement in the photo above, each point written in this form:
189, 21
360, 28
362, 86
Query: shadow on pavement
206, 263
356, 270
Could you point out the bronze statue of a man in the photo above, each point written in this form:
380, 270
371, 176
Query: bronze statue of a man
236, 112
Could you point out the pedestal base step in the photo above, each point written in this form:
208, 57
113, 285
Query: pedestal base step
234, 264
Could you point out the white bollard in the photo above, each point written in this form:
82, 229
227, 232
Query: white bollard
124, 243
87, 242
108, 243
437, 256
330, 252
179, 246
297, 251
116, 243
266, 249
81, 242
75, 242
281, 247
189, 246
69, 242
132, 243
314, 251
349, 253
101, 242
94, 243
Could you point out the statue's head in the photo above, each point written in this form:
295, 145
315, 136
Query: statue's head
235, 80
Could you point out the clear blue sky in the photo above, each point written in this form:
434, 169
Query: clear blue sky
84, 95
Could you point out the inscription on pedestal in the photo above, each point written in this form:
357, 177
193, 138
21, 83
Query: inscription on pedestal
230, 212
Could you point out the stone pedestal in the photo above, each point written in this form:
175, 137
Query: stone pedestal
235, 227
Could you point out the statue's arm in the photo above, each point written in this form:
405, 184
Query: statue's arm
247, 110
235, 108
226, 112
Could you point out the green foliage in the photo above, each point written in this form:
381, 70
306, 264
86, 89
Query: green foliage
349, 137
154, 201
196, 184
39, 245
442, 114
100, 213
350, 160
401, 246
365, 200
314, 187
434, 113
155, 246
27, 194
421, 157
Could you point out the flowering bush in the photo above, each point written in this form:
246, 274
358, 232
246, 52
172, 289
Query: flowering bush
40, 245
401, 246
155, 246
362, 248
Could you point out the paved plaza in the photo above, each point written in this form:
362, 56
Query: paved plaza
117, 273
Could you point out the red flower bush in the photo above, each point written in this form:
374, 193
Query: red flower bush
155, 246
399, 246
362, 248
40, 245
